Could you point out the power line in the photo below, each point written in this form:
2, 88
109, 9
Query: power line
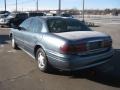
19, 3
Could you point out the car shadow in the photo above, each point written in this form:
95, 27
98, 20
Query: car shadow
4, 39
107, 74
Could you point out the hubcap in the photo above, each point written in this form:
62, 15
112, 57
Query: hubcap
13, 44
41, 62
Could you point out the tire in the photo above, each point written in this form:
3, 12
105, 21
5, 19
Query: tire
13, 44
42, 60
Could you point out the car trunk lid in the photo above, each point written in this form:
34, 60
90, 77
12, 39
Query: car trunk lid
85, 41
81, 35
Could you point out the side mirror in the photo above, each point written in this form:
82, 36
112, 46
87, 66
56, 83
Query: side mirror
17, 28
21, 28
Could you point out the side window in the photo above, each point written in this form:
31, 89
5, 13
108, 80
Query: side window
57, 25
26, 24
36, 26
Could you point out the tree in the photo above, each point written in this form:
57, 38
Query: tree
107, 11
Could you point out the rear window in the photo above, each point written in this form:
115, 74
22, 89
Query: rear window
66, 25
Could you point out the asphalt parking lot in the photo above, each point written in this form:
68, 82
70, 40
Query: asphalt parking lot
18, 71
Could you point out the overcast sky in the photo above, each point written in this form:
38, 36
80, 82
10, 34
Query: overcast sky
66, 4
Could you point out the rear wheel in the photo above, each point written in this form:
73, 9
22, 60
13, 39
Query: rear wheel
42, 60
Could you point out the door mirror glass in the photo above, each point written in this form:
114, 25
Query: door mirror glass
20, 28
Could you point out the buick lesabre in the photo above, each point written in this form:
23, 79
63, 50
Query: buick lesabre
63, 43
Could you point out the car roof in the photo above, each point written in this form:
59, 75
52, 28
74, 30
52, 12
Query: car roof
34, 12
18, 13
51, 17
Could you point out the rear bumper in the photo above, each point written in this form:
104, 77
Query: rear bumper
74, 62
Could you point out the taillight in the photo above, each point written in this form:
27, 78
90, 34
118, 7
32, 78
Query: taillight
107, 44
72, 49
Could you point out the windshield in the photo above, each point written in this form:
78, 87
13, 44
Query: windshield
3, 12
36, 14
21, 15
66, 25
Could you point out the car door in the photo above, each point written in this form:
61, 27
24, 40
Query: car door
18, 36
19, 33
30, 36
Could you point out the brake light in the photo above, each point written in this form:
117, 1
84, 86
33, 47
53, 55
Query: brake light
72, 49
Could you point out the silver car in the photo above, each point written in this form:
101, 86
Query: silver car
63, 43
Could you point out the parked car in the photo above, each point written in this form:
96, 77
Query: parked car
4, 14
62, 43
13, 20
33, 14
66, 15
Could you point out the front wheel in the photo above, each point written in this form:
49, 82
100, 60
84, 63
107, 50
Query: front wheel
14, 45
42, 60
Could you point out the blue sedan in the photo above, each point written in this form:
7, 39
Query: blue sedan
63, 43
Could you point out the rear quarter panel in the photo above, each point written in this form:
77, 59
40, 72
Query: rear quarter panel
52, 42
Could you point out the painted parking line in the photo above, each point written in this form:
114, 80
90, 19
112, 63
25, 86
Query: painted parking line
11, 51
100, 22
106, 23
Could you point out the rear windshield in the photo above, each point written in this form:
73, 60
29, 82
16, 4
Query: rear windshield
66, 25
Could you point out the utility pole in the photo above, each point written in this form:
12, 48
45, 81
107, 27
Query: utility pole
59, 7
22, 5
37, 5
5, 4
16, 5
83, 9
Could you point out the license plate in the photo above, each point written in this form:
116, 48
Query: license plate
95, 45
